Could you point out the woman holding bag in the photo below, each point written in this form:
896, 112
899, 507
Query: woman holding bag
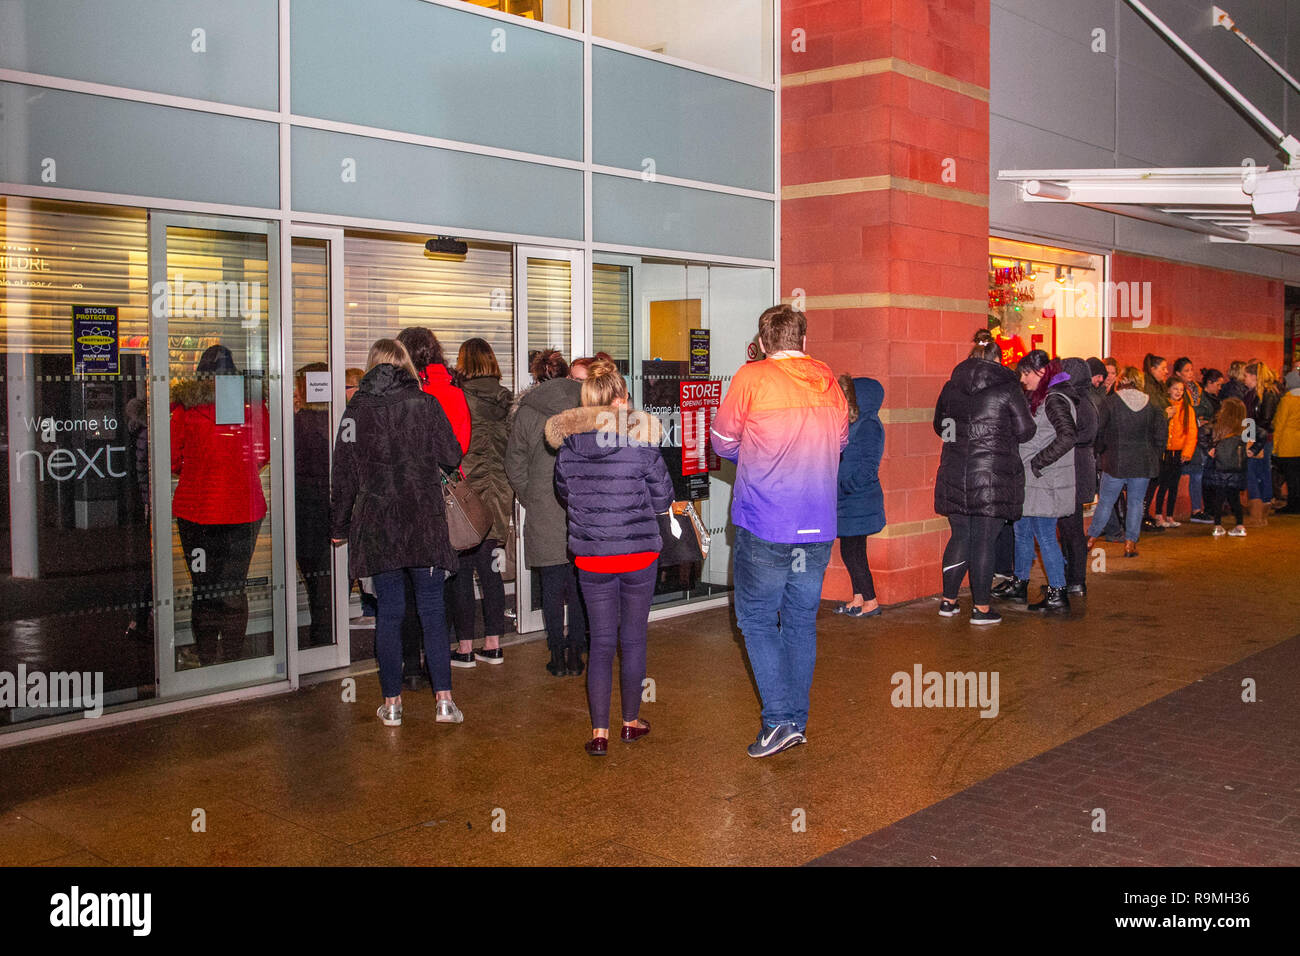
611, 477
393, 442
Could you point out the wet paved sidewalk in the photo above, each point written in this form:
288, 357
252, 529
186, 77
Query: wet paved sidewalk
311, 779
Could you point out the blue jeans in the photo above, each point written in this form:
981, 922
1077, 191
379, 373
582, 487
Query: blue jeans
390, 589
1259, 475
1195, 474
1108, 494
1043, 530
778, 591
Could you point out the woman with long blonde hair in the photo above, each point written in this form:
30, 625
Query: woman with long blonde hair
393, 443
1261, 402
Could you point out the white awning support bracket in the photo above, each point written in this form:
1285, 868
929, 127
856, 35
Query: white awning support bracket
1221, 19
1284, 142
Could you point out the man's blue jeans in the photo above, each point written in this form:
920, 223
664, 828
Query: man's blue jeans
1195, 478
778, 592
1043, 530
1108, 494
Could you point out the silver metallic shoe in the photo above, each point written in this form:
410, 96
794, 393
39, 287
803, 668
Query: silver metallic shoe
390, 715
449, 713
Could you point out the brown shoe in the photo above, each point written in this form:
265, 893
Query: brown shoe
1130, 549
1255, 518
597, 746
635, 732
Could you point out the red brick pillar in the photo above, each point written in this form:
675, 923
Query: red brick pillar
884, 228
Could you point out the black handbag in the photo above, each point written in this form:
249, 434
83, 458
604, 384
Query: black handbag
681, 548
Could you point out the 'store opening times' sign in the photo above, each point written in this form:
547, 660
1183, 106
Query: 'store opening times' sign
699, 404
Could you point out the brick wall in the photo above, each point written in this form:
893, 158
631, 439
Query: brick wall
1210, 315
891, 255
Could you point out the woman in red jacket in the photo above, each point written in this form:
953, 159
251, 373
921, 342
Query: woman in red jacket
435, 378
218, 505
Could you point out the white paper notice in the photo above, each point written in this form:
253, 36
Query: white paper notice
230, 399
318, 386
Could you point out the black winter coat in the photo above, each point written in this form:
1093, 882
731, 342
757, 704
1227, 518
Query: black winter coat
1086, 418
1131, 435
386, 500
611, 476
983, 409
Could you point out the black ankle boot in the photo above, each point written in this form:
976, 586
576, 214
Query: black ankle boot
556, 666
1055, 601
1014, 590
573, 660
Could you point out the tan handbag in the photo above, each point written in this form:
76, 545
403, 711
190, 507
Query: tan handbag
468, 521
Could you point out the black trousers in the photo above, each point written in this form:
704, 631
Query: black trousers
315, 561
1216, 498
1291, 473
560, 588
853, 550
970, 553
1004, 551
219, 574
485, 560
1171, 473
1074, 545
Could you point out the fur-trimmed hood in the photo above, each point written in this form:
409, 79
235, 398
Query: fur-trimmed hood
193, 392
627, 425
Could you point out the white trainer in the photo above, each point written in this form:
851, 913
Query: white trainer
449, 713
1220, 531
1237, 532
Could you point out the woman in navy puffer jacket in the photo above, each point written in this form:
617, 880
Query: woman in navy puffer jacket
860, 511
611, 476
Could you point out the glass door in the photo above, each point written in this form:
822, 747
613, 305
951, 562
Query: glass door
550, 313
216, 422
322, 587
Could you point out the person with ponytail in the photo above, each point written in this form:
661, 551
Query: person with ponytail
611, 477
1179, 448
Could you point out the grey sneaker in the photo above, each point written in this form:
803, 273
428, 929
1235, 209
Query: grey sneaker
772, 740
391, 716
449, 713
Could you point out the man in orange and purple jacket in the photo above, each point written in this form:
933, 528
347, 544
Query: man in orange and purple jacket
784, 421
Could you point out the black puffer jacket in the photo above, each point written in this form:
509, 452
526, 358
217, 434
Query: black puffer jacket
1131, 435
386, 496
983, 414
1085, 429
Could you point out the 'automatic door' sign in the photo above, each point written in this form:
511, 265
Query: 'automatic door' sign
94, 340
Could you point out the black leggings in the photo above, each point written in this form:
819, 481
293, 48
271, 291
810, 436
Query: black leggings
853, 551
219, 609
560, 587
1171, 473
970, 552
620, 609
1216, 498
481, 559
1004, 550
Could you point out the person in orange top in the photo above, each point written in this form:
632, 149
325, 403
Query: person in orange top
1179, 450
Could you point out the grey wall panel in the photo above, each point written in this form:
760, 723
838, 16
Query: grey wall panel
150, 45
420, 68
1263, 20
1167, 124
1015, 145
1058, 85
442, 187
1073, 21
636, 213
691, 125
1149, 239
106, 145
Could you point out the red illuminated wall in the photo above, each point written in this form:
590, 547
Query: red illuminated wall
890, 253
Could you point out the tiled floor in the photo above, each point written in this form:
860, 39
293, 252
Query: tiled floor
312, 779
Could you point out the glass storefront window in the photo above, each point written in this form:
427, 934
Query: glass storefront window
681, 323
1046, 298
76, 583
558, 13
732, 36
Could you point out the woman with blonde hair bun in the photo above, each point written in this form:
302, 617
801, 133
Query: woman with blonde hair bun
611, 476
